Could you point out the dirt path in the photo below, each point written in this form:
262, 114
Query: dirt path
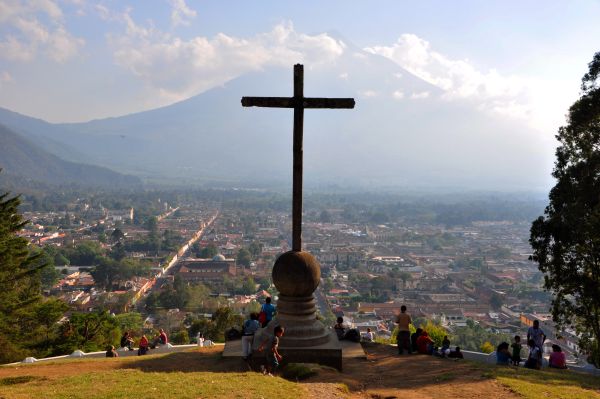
386, 375
382, 375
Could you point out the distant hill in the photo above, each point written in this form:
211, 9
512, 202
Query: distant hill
20, 158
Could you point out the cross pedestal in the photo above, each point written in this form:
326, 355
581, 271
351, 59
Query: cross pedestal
296, 273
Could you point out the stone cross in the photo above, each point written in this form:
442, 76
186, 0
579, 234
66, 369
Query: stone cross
298, 103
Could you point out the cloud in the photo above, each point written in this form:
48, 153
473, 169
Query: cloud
343, 75
177, 68
459, 79
5, 78
420, 95
35, 26
368, 93
181, 13
398, 95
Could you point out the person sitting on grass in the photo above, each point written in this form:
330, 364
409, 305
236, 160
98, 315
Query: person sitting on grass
445, 345
503, 356
424, 343
413, 339
369, 336
143, 349
249, 328
160, 339
273, 356
340, 328
534, 360
557, 358
456, 354
111, 351
126, 341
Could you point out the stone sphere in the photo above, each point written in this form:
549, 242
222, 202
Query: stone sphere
296, 274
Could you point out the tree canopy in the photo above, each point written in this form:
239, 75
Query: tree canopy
566, 240
19, 279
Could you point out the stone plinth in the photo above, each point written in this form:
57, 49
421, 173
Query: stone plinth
296, 274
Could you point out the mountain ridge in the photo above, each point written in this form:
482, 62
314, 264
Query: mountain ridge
21, 158
402, 132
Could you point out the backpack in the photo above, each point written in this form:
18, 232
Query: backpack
262, 317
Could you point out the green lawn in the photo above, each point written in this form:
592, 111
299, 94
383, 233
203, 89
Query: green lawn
547, 383
131, 383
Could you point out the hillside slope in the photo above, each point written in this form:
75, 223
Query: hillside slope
21, 158
204, 373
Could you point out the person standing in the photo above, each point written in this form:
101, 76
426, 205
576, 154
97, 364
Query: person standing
268, 310
273, 356
248, 330
537, 335
403, 320
516, 351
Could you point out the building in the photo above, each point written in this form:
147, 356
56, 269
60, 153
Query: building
207, 270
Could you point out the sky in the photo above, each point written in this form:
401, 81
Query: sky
78, 60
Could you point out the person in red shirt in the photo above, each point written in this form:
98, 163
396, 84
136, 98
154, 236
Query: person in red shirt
557, 358
424, 343
143, 346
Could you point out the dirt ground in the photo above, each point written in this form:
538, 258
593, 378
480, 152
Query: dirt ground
383, 374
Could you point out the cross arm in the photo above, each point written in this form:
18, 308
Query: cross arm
271, 102
291, 102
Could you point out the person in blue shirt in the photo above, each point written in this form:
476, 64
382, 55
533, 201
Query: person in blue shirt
503, 356
248, 330
269, 311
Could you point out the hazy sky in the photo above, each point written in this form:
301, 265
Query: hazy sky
75, 60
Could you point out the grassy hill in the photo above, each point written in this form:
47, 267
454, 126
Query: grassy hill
203, 373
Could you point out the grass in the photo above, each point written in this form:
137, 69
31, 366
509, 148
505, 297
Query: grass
131, 383
546, 383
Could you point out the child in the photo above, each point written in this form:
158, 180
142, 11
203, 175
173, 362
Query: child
273, 356
445, 345
534, 359
516, 351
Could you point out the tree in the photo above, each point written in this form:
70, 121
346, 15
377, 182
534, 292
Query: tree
19, 279
48, 313
208, 252
566, 240
117, 236
117, 252
248, 286
86, 253
89, 332
496, 301
255, 249
131, 321
106, 273
244, 257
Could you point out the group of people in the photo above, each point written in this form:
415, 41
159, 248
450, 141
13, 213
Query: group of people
251, 327
419, 341
535, 343
144, 344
